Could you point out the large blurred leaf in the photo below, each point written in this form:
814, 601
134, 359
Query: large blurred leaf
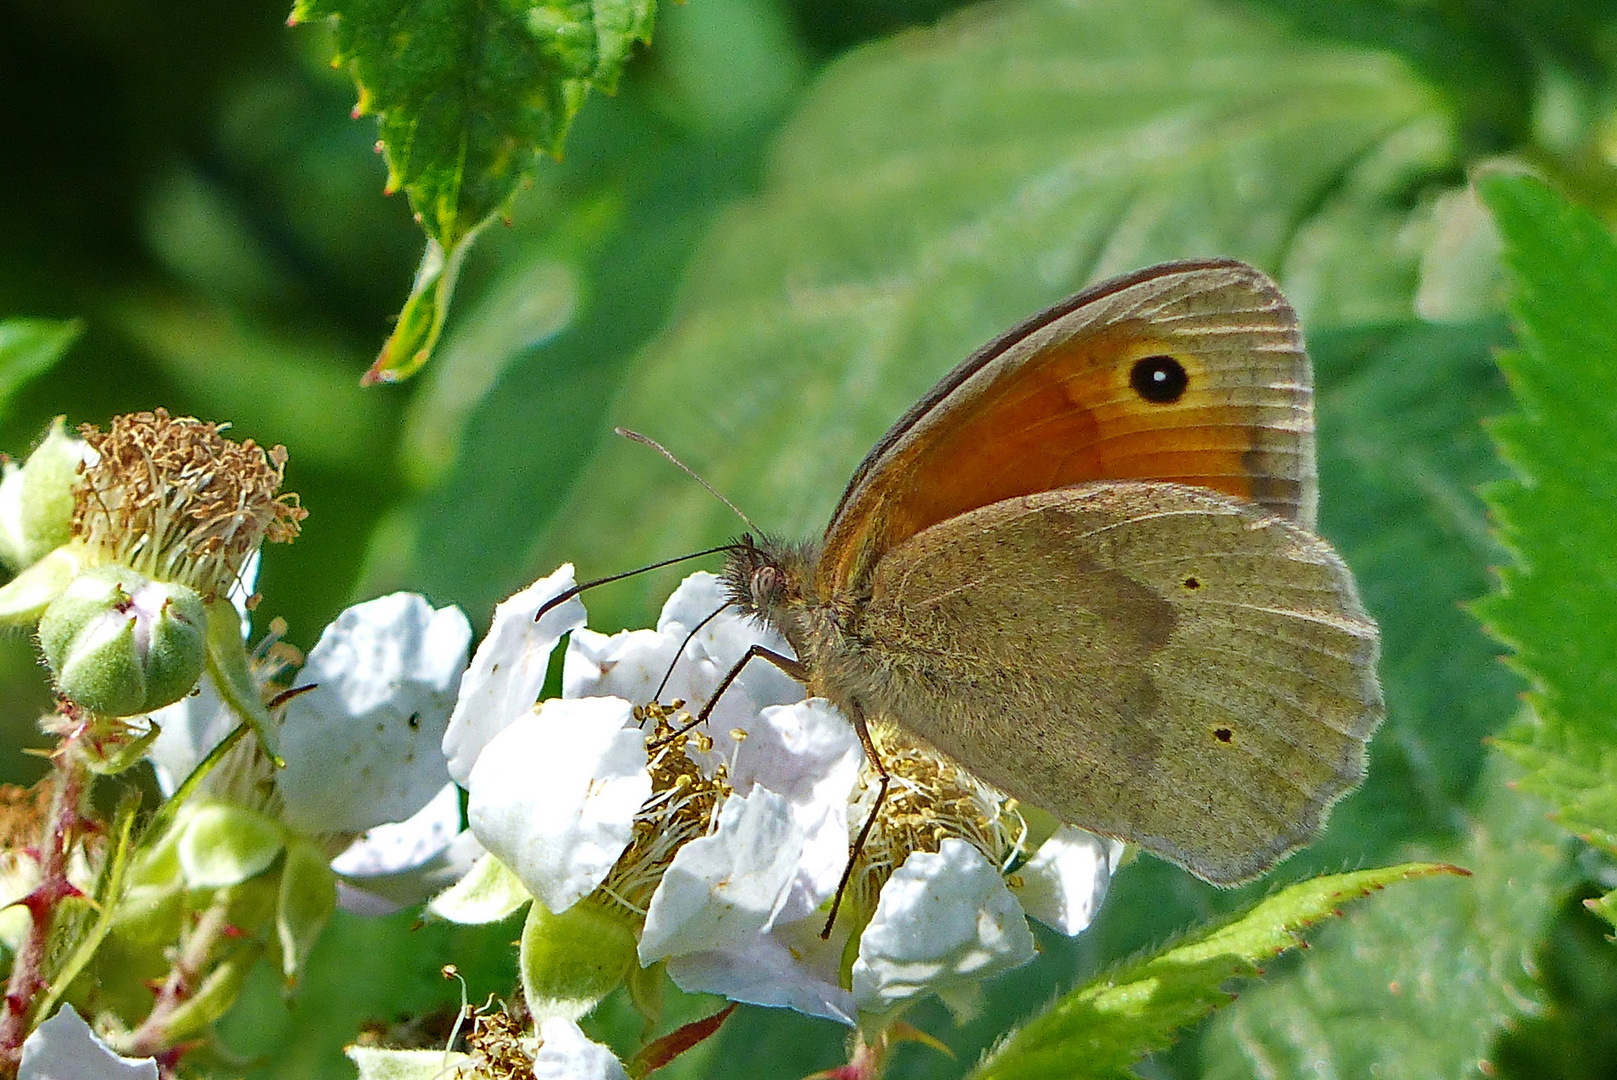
1422, 982
1402, 451
1559, 518
938, 187
1490, 58
624, 214
28, 347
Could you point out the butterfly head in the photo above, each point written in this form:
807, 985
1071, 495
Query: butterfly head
769, 580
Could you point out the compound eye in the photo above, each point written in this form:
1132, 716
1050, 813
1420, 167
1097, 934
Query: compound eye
767, 583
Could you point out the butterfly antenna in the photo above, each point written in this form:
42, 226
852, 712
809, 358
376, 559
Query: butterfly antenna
562, 597
688, 471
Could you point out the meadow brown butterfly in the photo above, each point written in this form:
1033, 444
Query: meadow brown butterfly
1084, 567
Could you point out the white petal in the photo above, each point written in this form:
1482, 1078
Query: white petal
242, 590
943, 920
787, 967
64, 1048
508, 671
808, 752
724, 888
565, 1053
1065, 881
394, 866
554, 795
363, 747
190, 729
632, 664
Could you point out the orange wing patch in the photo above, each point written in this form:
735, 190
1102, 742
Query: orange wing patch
1203, 390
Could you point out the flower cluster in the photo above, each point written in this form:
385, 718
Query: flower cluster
636, 838
719, 851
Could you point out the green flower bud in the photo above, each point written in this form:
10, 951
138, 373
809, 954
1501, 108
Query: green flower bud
36, 499
121, 644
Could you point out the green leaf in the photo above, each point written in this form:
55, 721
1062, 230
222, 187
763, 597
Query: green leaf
28, 347
1102, 1028
1559, 518
1422, 983
907, 219
466, 95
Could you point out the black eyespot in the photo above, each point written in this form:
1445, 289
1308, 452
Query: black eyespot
1160, 379
1192, 583
1223, 734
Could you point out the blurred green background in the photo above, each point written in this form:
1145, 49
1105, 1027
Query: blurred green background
790, 220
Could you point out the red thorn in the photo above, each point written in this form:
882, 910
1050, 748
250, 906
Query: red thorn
355, 113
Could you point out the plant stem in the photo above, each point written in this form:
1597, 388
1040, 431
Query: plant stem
63, 826
184, 975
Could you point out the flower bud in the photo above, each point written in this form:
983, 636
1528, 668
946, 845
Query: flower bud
121, 644
36, 498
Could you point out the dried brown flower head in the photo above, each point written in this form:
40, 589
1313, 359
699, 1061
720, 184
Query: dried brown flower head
174, 499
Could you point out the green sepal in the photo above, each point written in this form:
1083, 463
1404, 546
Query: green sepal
647, 987
307, 899
569, 962
232, 673
124, 755
375, 1063
220, 845
25, 597
36, 499
489, 892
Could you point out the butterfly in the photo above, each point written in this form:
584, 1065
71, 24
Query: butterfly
1084, 567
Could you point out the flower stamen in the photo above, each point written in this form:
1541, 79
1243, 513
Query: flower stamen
174, 499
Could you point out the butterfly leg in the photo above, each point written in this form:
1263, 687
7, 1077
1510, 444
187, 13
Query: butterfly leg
857, 715
790, 666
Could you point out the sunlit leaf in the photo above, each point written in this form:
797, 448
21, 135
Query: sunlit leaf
1559, 517
467, 95
1421, 983
1103, 1028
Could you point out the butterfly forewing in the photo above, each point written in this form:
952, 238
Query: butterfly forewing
1187, 372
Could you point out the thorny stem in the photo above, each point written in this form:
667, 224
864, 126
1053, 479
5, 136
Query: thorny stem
62, 829
185, 974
